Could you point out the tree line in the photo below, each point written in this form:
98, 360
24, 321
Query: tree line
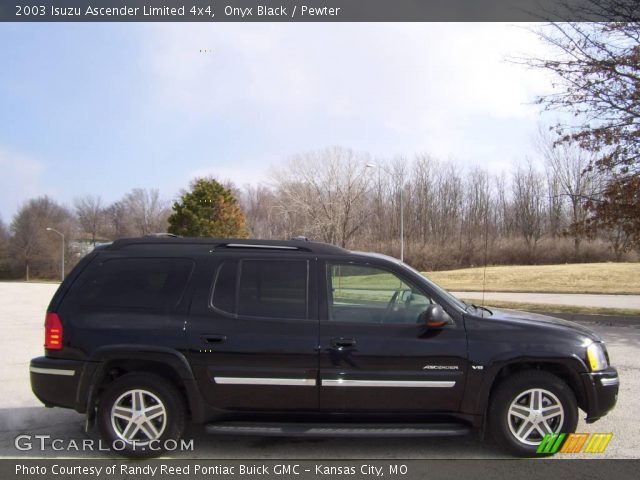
452, 216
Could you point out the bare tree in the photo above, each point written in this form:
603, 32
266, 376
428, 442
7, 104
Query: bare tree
147, 211
528, 203
555, 204
424, 199
4, 239
91, 215
505, 218
445, 219
327, 188
31, 245
5, 261
118, 223
264, 219
568, 166
139, 212
476, 214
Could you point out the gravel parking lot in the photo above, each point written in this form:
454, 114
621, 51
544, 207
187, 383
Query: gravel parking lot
22, 308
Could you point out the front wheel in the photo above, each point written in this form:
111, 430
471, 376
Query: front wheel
529, 405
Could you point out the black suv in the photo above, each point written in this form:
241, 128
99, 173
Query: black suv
302, 338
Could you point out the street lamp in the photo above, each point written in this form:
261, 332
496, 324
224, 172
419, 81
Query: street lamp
387, 171
49, 229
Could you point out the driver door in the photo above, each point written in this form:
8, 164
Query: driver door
376, 354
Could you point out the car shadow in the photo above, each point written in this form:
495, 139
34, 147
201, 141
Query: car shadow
21, 425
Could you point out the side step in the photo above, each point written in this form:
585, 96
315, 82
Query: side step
338, 429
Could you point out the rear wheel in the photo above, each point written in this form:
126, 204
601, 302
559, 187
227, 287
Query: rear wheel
138, 414
529, 405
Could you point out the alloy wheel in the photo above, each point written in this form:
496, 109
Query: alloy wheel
138, 416
533, 414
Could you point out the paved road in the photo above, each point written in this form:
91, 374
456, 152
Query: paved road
584, 300
22, 315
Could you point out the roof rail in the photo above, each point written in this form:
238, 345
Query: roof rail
160, 235
169, 241
251, 245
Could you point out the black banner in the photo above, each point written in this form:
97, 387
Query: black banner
547, 469
309, 10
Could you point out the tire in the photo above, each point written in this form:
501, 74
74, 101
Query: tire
512, 400
147, 434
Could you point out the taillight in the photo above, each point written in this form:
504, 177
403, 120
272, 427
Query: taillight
52, 332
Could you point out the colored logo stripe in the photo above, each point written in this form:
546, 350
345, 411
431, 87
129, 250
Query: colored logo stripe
598, 442
551, 443
573, 443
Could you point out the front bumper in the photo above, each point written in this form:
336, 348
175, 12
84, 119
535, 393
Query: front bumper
601, 390
55, 381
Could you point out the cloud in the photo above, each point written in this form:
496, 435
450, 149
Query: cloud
240, 174
379, 70
420, 84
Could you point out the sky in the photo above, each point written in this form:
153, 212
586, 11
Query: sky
100, 109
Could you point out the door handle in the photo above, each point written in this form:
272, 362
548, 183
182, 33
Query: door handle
343, 343
213, 338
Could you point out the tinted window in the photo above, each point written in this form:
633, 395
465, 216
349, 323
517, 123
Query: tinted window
224, 288
274, 289
155, 283
365, 294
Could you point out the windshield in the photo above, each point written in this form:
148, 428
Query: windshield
434, 286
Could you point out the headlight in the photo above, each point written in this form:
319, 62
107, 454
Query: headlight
597, 357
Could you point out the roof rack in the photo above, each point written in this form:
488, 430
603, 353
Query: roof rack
250, 245
228, 243
160, 235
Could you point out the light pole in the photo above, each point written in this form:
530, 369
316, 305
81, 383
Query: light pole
49, 229
388, 172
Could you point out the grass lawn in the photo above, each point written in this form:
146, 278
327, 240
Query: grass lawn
549, 308
612, 278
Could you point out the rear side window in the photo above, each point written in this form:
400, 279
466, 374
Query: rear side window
224, 288
152, 283
265, 288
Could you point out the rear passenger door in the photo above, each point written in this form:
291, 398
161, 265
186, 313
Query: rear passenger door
253, 333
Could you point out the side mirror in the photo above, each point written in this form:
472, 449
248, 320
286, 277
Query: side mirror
435, 317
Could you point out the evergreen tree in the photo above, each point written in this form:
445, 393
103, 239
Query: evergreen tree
208, 209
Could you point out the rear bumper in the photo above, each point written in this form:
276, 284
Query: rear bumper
54, 381
602, 392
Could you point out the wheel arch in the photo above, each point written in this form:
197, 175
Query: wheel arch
567, 369
112, 362
560, 370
